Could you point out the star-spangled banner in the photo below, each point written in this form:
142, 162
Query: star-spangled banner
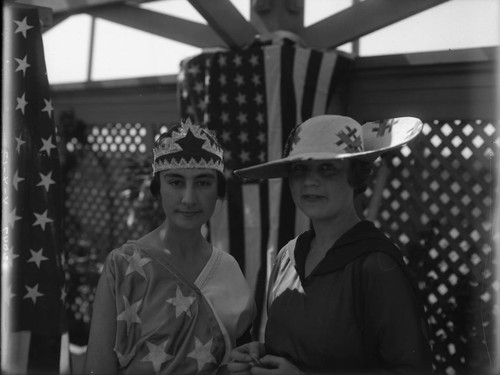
252, 98
34, 332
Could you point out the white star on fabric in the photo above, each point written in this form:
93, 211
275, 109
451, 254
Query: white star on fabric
254, 60
21, 103
243, 137
9, 296
37, 257
237, 60
241, 99
242, 118
19, 142
13, 218
129, 314
136, 263
48, 107
244, 156
46, 181
23, 65
22, 27
181, 303
157, 355
33, 293
16, 180
239, 80
42, 219
201, 353
195, 69
47, 145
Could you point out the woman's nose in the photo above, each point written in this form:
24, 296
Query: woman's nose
311, 178
189, 196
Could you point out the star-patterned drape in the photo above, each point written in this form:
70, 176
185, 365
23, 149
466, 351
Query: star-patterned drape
34, 332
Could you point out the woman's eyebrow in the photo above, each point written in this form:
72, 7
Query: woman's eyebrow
205, 175
171, 174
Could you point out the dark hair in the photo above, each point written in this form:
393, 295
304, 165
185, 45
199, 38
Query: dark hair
154, 186
358, 174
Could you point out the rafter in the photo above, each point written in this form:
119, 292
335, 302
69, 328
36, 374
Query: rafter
360, 19
227, 21
181, 30
74, 6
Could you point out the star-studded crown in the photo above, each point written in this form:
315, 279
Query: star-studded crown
187, 145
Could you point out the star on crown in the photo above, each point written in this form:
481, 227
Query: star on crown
193, 133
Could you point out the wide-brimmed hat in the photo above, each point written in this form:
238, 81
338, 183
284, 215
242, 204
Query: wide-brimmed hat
330, 137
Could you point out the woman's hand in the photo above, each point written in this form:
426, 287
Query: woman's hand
273, 365
244, 357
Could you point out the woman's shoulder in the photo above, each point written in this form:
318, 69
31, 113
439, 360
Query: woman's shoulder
225, 258
125, 251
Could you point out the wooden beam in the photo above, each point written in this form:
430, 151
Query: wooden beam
74, 6
181, 30
227, 21
360, 19
279, 15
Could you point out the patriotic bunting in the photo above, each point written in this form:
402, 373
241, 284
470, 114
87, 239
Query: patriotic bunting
34, 332
252, 98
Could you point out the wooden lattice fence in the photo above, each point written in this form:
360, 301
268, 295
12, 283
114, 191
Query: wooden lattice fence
434, 198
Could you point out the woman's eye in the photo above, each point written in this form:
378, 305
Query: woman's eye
296, 168
204, 183
174, 182
328, 168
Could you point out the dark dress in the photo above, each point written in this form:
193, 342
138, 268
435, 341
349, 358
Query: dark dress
357, 311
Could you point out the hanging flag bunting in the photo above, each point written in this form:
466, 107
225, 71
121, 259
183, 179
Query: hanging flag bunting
252, 98
34, 332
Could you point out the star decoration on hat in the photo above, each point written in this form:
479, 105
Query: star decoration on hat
181, 303
157, 355
202, 353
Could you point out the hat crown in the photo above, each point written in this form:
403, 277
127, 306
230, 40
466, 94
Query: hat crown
187, 145
331, 134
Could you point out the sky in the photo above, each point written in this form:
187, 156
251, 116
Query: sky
123, 52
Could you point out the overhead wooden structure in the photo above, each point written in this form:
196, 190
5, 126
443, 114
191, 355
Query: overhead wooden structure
228, 28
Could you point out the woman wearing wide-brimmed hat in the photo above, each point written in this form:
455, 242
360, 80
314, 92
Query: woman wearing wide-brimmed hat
340, 299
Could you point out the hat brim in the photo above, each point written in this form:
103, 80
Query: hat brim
404, 130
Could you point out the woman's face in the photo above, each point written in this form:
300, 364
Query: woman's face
320, 188
188, 196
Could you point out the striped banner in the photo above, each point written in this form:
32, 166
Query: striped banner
253, 98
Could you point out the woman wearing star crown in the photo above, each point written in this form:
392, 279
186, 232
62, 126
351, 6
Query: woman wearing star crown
339, 298
169, 302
